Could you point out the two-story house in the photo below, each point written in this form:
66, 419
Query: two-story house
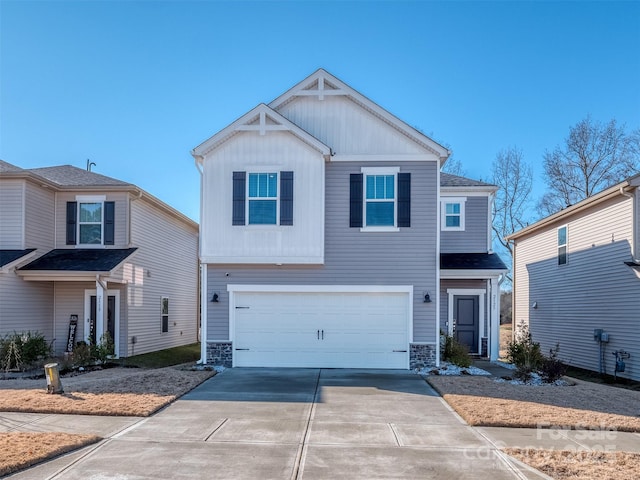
577, 280
84, 253
330, 238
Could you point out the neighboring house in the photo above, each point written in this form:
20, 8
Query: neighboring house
77, 245
577, 272
327, 239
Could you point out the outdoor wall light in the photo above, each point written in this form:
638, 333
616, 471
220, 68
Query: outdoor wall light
214, 299
534, 305
427, 298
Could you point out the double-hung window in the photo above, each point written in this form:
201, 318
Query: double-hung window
263, 198
452, 213
164, 314
562, 245
380, 199
90, 221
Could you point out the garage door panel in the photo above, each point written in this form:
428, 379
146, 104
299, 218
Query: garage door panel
349, 330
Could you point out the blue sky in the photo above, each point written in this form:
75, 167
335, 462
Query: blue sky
134, 86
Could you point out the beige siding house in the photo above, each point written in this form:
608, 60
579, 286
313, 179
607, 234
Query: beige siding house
77, 246
577, 276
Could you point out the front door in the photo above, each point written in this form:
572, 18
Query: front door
466, 315
94, 331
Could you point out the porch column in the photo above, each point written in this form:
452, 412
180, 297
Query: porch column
101, 299
494, 319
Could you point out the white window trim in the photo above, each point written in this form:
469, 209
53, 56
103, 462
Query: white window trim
380, 171
565, 245
80, 199
276, 198
443, 213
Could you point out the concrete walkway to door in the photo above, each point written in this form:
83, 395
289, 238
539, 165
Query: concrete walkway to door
251, 423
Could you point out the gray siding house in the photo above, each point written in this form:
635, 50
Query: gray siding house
330, 238
577, 274
77, 247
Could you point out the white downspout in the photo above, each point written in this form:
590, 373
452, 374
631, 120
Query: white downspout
635, 233
198, 159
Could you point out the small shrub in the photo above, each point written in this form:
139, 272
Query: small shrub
524, 353
82, 355
552, 368
105, 349
21, 351
456, 353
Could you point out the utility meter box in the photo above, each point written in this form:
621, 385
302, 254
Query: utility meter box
597, 334
604, 337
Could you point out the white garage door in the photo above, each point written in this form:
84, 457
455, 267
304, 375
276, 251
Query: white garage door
321, 329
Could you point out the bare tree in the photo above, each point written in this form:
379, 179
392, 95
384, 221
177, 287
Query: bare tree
454, 167
514, 177
594, 156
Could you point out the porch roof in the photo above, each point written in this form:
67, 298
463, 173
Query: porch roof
10, 256
74, 262
472, 261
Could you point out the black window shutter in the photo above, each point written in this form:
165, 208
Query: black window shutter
239, 193
355, 200
404, 199
286, 198
72, 214
109, 223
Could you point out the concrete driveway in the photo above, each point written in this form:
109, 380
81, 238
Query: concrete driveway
307, 424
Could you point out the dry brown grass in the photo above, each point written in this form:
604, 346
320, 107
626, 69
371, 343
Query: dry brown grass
20, 450
569, 465
483, 402
113, 392
116, 391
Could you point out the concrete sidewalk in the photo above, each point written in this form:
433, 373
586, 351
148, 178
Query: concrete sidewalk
299, 424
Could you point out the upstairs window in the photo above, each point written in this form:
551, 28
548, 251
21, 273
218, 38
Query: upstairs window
263, 198
380, 200
90, 221
562, 245
452, 214
260, 199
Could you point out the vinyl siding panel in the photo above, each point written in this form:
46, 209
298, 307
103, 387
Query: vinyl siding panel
274, 152
474, 237
25, 305
347, 127
165, 265
121, 200
352, 257
39, 218
12, 214
594, 290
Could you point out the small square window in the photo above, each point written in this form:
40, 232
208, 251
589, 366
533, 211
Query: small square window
453, 213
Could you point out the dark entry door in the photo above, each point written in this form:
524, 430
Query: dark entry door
110, 326
466, 314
